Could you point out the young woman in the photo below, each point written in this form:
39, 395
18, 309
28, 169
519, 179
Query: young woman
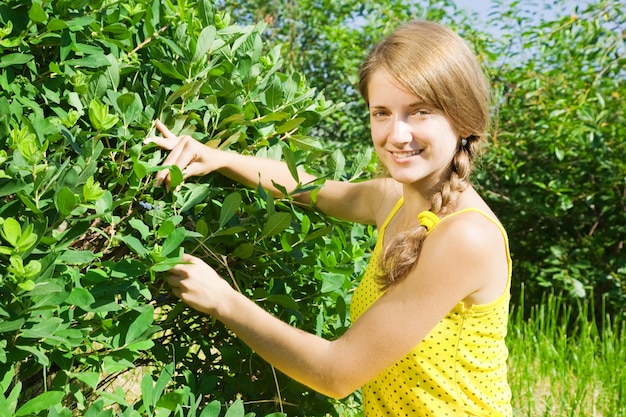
430, 314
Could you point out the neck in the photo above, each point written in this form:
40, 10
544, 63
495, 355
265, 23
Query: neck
414, 201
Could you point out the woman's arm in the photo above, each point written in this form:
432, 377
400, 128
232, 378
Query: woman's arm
386, 332
343, 200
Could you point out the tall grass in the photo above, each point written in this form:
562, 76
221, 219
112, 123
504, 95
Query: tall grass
566, 362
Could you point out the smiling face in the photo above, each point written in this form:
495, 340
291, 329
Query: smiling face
415, 141
425, 90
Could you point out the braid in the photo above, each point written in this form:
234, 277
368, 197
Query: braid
403, 252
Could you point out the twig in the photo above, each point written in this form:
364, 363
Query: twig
150, 39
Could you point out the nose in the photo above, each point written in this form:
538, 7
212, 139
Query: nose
400, 133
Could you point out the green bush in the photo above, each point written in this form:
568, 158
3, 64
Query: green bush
87, 326
556, 172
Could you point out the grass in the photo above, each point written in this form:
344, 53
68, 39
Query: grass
562, 363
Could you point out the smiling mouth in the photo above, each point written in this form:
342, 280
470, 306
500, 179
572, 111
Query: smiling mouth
404, 155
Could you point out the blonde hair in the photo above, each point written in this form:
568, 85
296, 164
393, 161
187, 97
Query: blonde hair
438, 66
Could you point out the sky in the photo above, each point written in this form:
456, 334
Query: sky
542, 8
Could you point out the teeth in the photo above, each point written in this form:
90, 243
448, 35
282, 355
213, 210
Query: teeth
402, 155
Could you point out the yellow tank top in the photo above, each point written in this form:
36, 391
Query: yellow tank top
459, 369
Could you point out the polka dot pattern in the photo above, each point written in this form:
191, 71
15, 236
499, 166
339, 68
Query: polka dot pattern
459, 369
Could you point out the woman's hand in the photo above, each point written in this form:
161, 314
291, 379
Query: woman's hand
199, 286
192, 157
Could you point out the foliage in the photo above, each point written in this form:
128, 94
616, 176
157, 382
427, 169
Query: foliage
87, 326
556, 170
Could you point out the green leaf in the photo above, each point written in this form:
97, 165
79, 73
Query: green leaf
13, 187
305, 143
27, 285
65, 201
274, 117
176, 176
236, 409
89, 378
55, 25
282, 300
11, 231
332, 282
204, 43
92, 190
130, 106
32, 269
76, 257
230, 205
135, 245
276, 223
140, 325
40, 403
41, 357
338, 163
243, 251
173, 241
197, 194
167, 264
11, 325
289, 125
97, 410
37, 14
99, 116
147, 385
27, 240
14, 59
91, 61
212, 410
43, 328
273, 95
170, 401
80, 297
164, 378
7, 378
141, 227
290, 159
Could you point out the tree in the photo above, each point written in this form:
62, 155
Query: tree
556, 169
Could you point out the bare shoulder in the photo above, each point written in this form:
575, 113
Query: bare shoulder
471, 228
472, 246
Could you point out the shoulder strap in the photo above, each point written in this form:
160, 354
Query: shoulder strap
392, 213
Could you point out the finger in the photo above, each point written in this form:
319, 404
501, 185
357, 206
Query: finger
180, 271
173, 278
164, 130
194, 169
168, 141
163, 143
175, 151
179, 157
187, 258
177, 292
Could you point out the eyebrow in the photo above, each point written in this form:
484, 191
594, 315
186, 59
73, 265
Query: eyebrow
416, 104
